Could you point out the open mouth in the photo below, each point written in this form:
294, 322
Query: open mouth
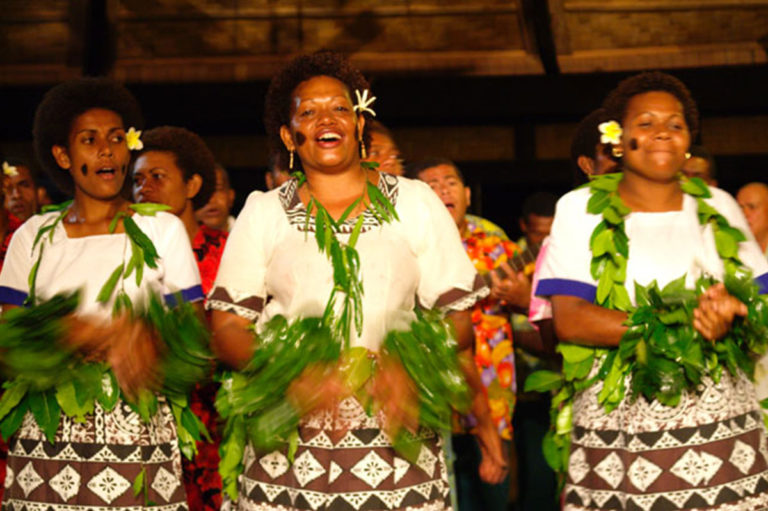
328, 139
106, 172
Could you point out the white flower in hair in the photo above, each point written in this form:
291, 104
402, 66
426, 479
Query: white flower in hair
363, 102
611, 132
9, 170
132, 138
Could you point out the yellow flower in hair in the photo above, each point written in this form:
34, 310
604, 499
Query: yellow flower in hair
363, 102
9, 170
132, 138
611, 133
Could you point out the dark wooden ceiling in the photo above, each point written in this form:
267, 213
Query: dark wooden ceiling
153, 41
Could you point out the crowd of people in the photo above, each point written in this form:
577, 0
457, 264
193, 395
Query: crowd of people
352, 235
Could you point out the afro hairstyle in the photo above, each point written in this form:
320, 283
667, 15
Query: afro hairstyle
277, 108
63, 104
191, 154
616, 102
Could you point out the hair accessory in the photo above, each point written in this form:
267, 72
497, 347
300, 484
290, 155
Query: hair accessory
617, 151
610, 132
9, 170
132, 138
363, 102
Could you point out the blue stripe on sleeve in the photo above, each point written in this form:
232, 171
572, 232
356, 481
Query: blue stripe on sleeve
549, 287
191, 294
762, 283
12, 296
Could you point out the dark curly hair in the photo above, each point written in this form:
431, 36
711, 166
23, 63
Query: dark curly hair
277, 108
616, 102
63, 104
191, 154
585, 142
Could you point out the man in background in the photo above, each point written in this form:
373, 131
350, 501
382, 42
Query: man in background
753, 199
493, 348
383, 149
20, 189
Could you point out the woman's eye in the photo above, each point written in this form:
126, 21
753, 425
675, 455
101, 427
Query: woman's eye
88, 140
118, 138
342, 108
306, 113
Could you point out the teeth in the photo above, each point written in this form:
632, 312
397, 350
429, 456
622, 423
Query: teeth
330, 136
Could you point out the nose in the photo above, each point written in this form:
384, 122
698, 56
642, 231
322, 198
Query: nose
13, 191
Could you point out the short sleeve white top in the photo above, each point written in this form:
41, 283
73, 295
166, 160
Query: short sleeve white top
272, 266
662, 246
86, 263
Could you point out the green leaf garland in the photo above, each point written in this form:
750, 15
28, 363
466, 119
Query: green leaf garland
661, 352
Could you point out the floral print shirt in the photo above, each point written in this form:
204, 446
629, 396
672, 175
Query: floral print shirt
494, 353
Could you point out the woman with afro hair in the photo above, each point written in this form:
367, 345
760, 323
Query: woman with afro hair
94, 459
317, 118
665, 445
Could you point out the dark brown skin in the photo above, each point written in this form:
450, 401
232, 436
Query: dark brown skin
654, 143
97, 141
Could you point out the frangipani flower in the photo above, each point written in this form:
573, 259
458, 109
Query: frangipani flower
9, 170
363, 102
132, 138
611, 133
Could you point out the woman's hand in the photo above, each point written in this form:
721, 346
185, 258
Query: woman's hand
493, 464
318, 387
714, 315
90, 339
396, 394
134, 355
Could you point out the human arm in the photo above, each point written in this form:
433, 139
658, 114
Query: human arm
579, 321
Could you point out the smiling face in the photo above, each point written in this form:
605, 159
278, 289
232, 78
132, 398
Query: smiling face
96, 155
655, 137
447, 184
20, 193
157, 178
323, 126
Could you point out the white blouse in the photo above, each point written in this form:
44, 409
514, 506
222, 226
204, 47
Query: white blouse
271, 266
662, 246
86, 263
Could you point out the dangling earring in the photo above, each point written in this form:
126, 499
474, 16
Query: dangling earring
617, 151
290, 161
687, 156
363, 153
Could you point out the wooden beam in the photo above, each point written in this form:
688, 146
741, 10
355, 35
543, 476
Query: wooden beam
659, 5
663, 57
244, 68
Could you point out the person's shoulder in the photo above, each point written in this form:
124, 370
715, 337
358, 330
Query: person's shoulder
33, 224
573, 202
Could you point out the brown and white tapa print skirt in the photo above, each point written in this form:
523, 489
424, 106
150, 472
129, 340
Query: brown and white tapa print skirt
709, 452
345, 462
92, 466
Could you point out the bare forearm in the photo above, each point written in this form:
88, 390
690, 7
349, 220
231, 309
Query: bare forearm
232, 341
579, 321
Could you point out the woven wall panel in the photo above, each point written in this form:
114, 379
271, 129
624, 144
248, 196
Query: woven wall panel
602, 30
34, 43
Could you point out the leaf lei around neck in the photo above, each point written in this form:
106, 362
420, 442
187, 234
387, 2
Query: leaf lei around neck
344, 258
661, 350
143, 252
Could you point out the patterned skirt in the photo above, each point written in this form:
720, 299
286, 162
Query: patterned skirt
93, 465
709, 452
345, 462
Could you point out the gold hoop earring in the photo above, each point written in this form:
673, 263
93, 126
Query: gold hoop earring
290, 161
687, 156
617, 151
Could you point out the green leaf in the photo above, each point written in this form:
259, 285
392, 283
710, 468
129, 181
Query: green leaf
620, 298
105, 294
369, 165
727, 247
67, 400
551, 452
695, 186
138, 483
137, 236
149, 208
47, 412
115, 220
356, 368
14, 392
674, 287
603, 243
349, 210
612, 216
574, 353
641, 295
598, 201
564, 420
543, 381
619, 206
606, 182
12, 422
110, 394
356, 232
